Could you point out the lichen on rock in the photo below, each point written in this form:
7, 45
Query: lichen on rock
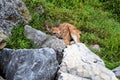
13, 12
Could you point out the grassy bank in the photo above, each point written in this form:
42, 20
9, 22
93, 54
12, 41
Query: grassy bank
97, 25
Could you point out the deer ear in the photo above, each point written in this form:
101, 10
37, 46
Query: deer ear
58, 23
47, 25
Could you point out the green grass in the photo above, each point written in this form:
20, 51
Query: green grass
17, 40
97, 25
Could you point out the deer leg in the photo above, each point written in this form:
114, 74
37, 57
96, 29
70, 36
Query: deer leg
67, 42
75, 38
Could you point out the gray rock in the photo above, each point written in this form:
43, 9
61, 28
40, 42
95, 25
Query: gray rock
12, 12
1, 78
117, 71
5, 57
95, 47
79, 63
36, 36
67, 76
29, 64
55, 43
43, 40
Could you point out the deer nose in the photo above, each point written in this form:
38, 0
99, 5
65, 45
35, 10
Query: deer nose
60, 37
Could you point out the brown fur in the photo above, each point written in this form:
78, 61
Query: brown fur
67, 32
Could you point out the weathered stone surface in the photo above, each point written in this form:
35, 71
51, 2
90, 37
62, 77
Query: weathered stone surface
36, 36
3, 37
29, 64
12, 12
67, 76
83, 64
117, 71
55, 43
1, 78
95, 47
43, 40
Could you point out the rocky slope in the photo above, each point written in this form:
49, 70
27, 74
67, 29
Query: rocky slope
52, 60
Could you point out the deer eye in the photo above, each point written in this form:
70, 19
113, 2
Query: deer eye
54, 33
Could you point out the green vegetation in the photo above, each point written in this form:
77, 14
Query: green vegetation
18, 40
98, 24
112, 6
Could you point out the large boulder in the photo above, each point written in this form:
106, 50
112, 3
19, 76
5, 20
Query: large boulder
79, 63
36, 36
117, 71
43, 40
12, 12
28, 64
